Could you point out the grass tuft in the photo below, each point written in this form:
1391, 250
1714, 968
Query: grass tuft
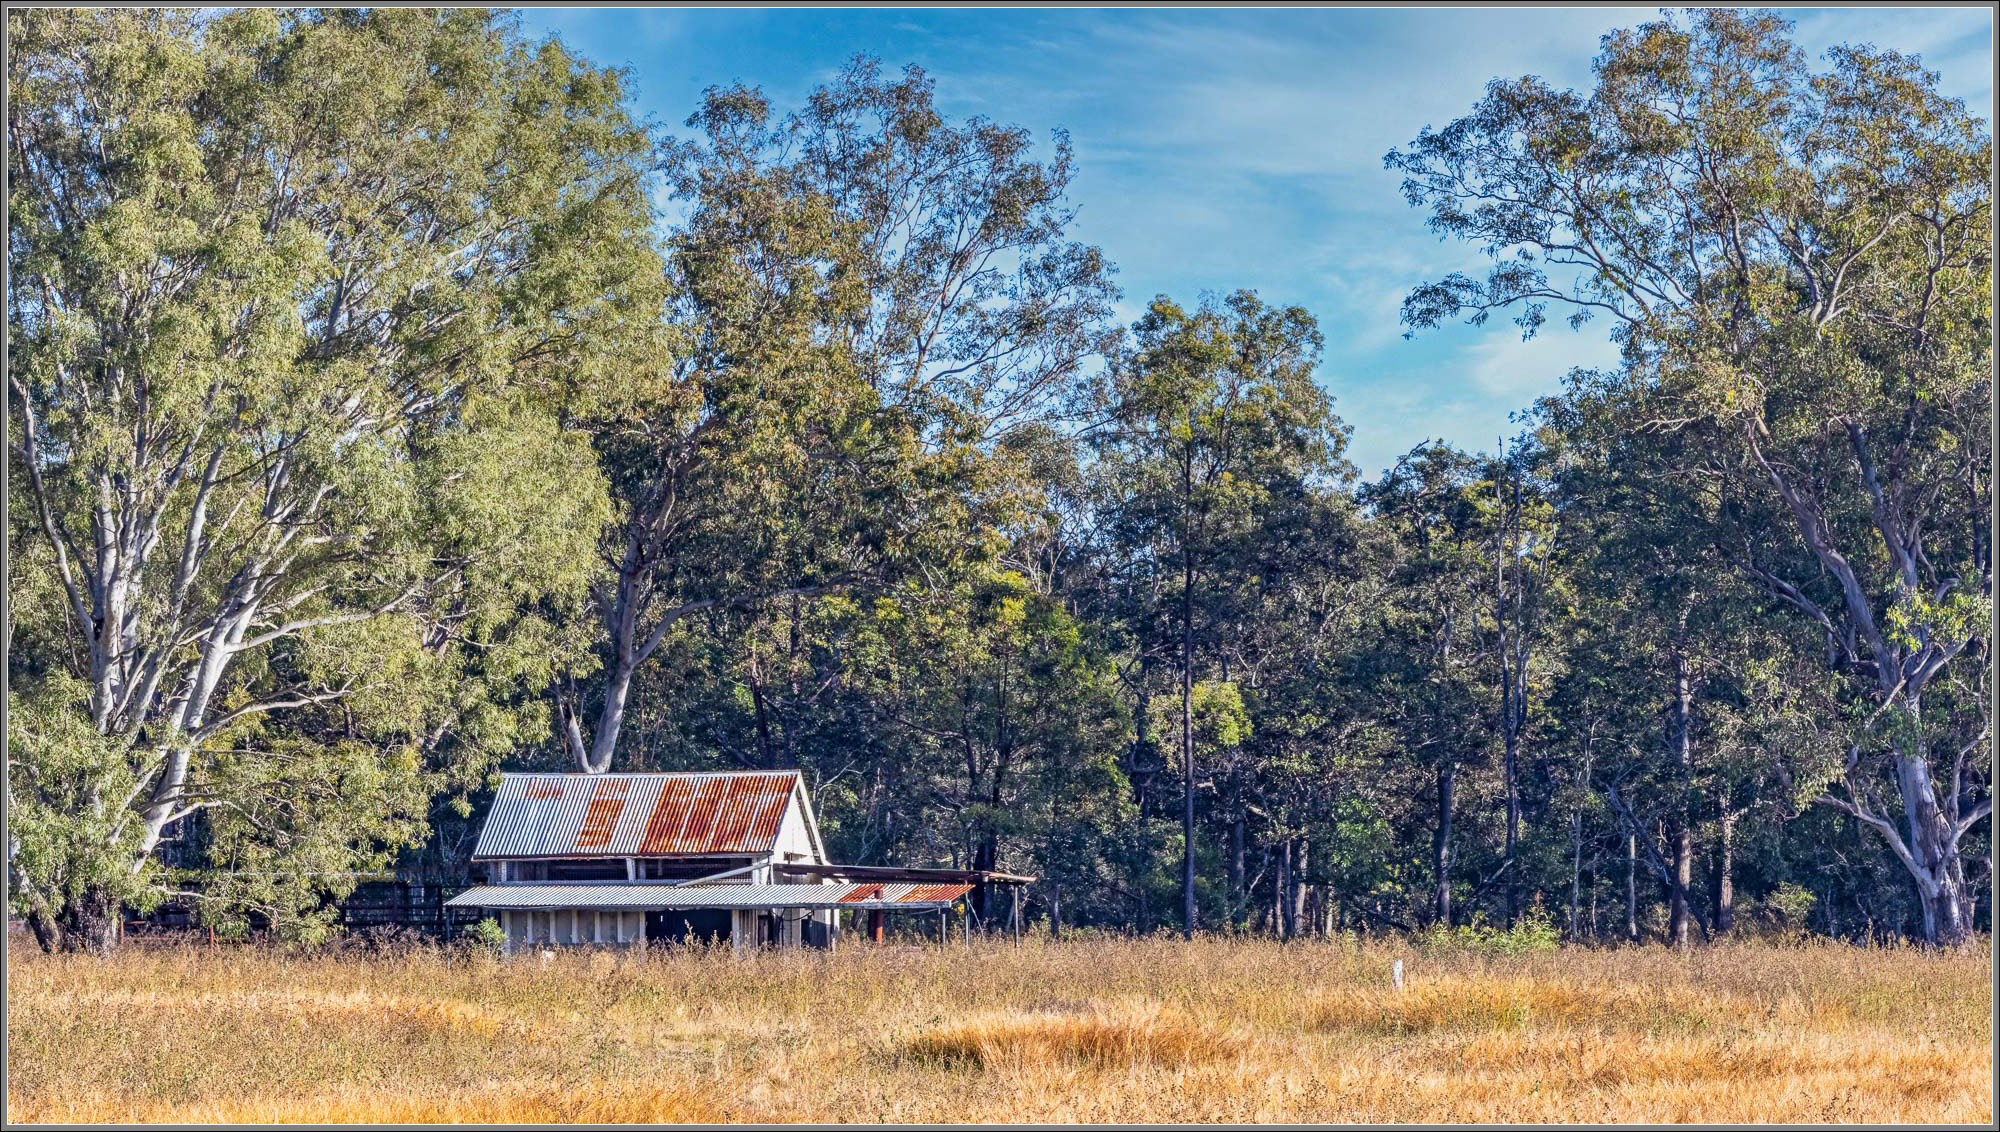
1015, 1040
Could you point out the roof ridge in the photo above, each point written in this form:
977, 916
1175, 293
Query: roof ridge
645, 773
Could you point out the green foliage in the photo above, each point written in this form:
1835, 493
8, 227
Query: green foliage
296, 296
1798, 265
1789, 905
1533, 932
369, 427
487, 935
71, 835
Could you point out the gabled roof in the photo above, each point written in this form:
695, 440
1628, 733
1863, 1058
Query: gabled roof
642, 815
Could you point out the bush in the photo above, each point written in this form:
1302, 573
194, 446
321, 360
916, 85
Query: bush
1533, 931
1785, 910
487, 935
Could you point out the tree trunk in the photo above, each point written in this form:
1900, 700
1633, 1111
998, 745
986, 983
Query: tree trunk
1932, 857
1447, 782
1239, 900
1055, 912
623, 623
985, 858
47, 933
1281, 891
91, 924
1678, 835
1297, 898
1677, 891
1510, 888
1510, 719
1725, 880
1576, 851
1187, 743
1632, 885
1575, 869
1141, 775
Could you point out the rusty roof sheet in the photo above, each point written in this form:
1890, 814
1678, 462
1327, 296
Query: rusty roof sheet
902, 897
636, 815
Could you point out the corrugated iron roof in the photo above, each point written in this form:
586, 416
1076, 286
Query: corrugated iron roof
636, 815
905, 897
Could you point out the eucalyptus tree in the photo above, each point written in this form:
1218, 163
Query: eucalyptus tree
1430, 672
870, 299
1295, 592
291, 294
1212, 415
1797, 263
1003, 715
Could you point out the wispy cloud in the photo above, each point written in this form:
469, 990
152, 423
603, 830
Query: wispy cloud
1225, 149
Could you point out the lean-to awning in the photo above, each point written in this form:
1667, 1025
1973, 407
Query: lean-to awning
651, 897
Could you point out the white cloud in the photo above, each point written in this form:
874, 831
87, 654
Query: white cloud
1502, 365
1220, 150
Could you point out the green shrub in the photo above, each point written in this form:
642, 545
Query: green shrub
1533, 931
486, 934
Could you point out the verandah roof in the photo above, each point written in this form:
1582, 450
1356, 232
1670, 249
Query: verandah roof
652, 897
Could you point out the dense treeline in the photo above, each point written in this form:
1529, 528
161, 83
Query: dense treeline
387, 406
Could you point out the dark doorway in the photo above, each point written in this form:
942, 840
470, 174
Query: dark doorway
702, 925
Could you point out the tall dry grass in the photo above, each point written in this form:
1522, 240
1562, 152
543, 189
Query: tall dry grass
1147, 1030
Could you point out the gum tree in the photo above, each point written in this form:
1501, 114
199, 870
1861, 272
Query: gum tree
1797, 264
1214, 415
290, 292
869, 298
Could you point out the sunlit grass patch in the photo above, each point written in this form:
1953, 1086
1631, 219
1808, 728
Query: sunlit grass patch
1106, 1039
1463, 1004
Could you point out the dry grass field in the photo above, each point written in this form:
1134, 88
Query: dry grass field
1152, 1030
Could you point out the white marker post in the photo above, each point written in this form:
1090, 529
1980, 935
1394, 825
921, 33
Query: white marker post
1396, 974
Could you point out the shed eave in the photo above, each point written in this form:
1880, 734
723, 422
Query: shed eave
662, 897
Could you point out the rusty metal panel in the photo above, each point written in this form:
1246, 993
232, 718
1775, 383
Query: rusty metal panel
933, 893
669, 815
606, 804
626, 815
736, 813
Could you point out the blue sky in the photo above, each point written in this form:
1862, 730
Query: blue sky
1221, 149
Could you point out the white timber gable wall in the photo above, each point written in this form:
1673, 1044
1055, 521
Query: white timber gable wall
797, 840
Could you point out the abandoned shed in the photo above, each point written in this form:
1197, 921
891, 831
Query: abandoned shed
621, 859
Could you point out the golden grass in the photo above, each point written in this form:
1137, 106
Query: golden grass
1147, 1030
1021, 1040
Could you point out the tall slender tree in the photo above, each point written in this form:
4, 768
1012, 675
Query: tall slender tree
1799, 265
1213, 414
869, 297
